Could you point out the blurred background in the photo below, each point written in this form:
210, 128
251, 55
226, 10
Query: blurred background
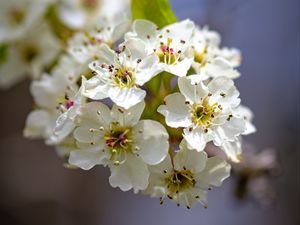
36, 189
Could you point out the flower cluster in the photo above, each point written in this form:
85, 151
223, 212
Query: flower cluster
143, 101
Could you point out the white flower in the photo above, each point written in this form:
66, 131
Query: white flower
186, 178
79, 14
65, 123
118, 139
49, 95
28, 56
209, 60
17, 17
169, 45
57, 99
205, 112
233, 149
120, 74
84, 46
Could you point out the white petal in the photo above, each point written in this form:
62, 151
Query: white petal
95, 115
37, 123
220, 84
136, 48
64, 126
129, 117
226, 86
182, 30
195, 138
176, 111
47, 90
147, 69
152, 140
133, 173
246, 113
189, 159
126, 97
192, 88
191, 196
84, 135
179, 69
107, 55
228, 131
221, 67
120, 29
87, 159
142, 29
233, 150
96, 88
215, 172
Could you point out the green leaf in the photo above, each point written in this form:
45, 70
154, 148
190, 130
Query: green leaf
157, 11
3, 53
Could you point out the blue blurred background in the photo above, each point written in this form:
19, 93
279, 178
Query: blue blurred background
36, 189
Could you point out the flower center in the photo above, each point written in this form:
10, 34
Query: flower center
167, 54
29, 53
124, 77
179, 181
16, 16
118, 138
203, 113
200, 56
89, 4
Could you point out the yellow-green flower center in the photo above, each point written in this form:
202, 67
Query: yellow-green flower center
16, 16
89, 4
29, 53
119, 141
200, 57
204, 113
124, 77
167, 54
179, 181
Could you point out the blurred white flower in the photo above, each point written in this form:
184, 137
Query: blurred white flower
205, 112
209, 60
85, 45
169, 45
53, 95
118, 139
17, 17
28, 56
185, 178
79, 14
233, 149
120, 74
